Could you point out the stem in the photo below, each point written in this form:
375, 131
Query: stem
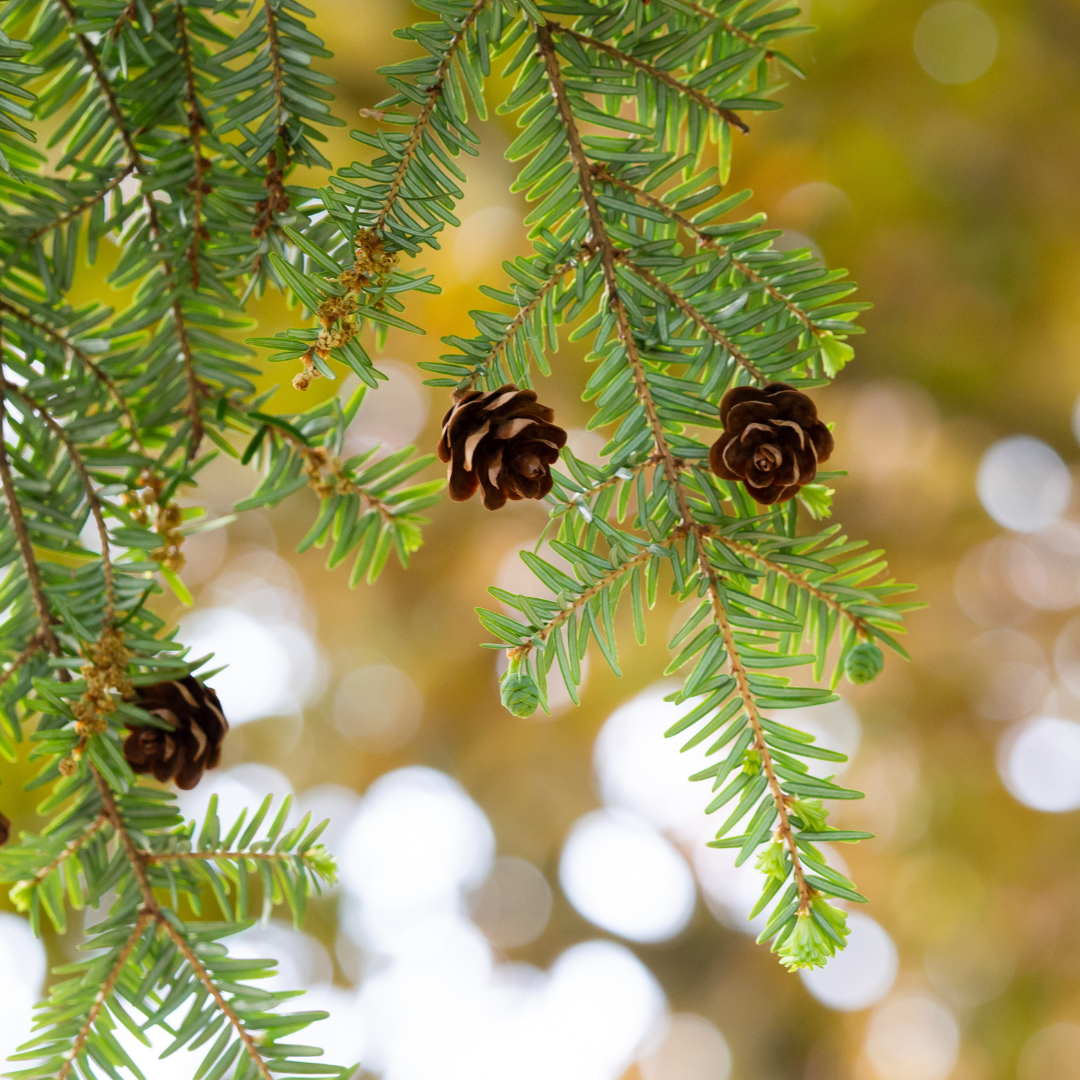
705, 240
422, 121
742, 680
99, 822
692, 313
145, 917
82, 207
211, 987
87, 49
608, 253
659, 74
195, 126
730, 27
185, 856
861, 626
35, 644
101, 375
91, 495
523, 314
135, 857
26, 546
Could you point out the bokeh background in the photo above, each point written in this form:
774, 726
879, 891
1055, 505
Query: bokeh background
533, 898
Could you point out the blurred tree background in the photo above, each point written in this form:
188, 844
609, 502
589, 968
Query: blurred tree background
932, 151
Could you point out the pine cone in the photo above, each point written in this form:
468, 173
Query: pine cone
502, 441
5, 830
194, 744
773, 441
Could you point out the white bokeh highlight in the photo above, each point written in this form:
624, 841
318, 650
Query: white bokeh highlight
1039, 761
622, 875
1023, 484
859, 976
690, 1048
913, 1038
22, 964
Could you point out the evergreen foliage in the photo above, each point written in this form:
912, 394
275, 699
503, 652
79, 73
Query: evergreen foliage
169, 128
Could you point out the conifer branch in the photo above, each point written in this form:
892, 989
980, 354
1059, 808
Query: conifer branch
36, 642
91, 494
705, 240
26, 546
87, 361
145, 918
73, 847
738, 669
653, 72
729, 27
81, 208
213, 990
434, 92
694, 315
195, 128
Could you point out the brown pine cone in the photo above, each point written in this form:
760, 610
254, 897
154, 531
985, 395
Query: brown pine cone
773, 441
501, 441
5, 830
194, 744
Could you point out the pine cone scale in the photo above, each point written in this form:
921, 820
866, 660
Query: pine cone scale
773, 441
194, 744
502, 442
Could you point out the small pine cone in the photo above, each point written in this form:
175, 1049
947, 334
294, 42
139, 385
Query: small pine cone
502, 441
773, 441
194, 744
5, 830
864, 663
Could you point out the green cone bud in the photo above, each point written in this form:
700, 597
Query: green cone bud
520, 695
864, 663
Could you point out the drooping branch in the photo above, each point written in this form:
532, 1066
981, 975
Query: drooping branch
672, 468
696, 317
434, 92
652, 72
87, 204
707, 241
92, 497
144, 919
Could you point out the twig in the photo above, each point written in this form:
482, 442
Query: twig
185, 856
742, 681
694, 315
98, 373
88, 486
211, 987
99, 822
85, 205
672, 467
135, 857
705, 240
862, 628
145, 917
659, 74
434, 92
729, 26
195, 127
35, 645
26, 546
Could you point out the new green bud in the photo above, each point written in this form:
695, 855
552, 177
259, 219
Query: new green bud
520, 694
864, 663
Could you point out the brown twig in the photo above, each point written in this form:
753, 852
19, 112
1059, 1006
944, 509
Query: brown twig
862, 628
135, 857
198, 187
106, 89
145, 917
101, 375
26, 546
653, 72
85, 205
34, 646
738, 669
203, 976
728, 26
694, 315
434, 92
88, 486
705, 240
608, 252
99, 822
